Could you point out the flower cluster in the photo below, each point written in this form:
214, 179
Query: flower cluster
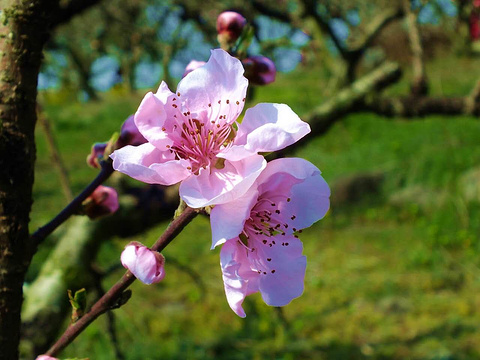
195, 137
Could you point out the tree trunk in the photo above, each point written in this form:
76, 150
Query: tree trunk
23, 32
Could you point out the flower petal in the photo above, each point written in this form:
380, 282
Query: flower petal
151, 116
283, 270
232, 258
217, 186
227, 220
266, 128
309, 197
148, 164
219, 80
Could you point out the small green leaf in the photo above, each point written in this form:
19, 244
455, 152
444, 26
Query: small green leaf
78, 302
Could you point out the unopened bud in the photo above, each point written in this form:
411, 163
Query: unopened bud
230, 25
145, 264
259, 70
97, 153
129, 134
45, 357
103, 201
193, 65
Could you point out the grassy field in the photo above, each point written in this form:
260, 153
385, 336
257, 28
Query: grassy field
392, 274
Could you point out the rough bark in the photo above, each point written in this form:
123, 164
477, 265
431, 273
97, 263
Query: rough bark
23, 32
24, 29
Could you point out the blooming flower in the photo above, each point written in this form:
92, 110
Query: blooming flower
261, 251
103, 201
145, 264
192, 65
193, 135
259, 70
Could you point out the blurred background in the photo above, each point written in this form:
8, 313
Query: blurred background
392, 91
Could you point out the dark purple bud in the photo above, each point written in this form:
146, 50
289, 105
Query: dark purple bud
129, 134
259, 70
97, 153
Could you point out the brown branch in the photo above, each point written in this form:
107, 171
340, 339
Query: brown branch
419, 83
112, 299
411, 106
40, 235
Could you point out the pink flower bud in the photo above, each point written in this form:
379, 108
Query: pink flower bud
193, 65
259, 70
145, 264
45, 357
98, 149
129, 134
103, 201
230, 25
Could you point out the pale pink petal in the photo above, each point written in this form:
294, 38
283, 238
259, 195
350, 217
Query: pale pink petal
282, 278
266, 128
227, 220
151, 116
236, 286
219, 80
218, 186
148, 164
309, 198
193, 65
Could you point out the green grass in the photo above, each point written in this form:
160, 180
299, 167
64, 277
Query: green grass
385, 279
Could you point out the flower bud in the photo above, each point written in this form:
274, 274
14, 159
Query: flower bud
93, 159
45, 357
193, 65
230, 25
103, 201
129, 134
259, 70
145, 264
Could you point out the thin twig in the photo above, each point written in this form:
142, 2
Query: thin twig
113, 296
38, 236
55, 155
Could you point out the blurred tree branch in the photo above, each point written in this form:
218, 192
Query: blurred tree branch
420, 82
68, 9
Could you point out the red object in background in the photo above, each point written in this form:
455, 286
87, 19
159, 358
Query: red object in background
474, 26
476, 3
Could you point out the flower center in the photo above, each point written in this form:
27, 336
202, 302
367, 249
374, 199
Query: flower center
199, 142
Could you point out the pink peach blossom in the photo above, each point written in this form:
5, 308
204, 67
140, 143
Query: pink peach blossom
145, 264
194, 137
45, 357
261, 251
